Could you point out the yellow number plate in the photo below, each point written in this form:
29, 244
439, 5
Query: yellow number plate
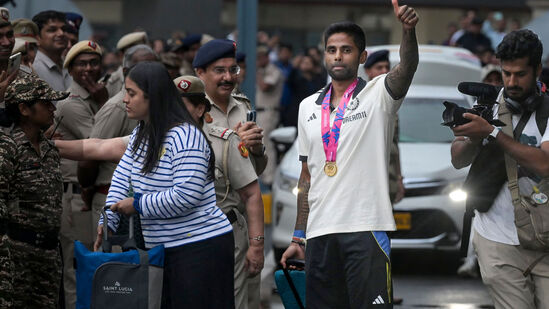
403, 220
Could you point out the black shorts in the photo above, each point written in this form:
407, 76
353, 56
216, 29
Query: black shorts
349, 270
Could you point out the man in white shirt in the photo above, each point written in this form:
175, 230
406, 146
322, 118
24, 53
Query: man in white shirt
343, 201
501, 259
52, 41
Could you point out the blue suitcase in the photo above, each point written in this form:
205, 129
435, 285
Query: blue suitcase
291, 285
118, 280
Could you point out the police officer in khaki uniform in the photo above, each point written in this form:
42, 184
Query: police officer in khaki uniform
215, 65
269, 86
110, 121
75, 117
25, 31
115, 81
236, 187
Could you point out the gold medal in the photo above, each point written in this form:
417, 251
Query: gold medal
330, 168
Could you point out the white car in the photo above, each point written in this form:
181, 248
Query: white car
431, 213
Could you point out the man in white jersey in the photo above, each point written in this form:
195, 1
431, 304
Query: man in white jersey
344, 137
501, 259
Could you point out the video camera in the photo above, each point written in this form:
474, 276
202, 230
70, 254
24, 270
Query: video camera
486, 95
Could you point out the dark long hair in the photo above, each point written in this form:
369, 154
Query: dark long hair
166, 110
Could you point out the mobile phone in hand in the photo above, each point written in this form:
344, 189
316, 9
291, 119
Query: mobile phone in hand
14, 63
251, 116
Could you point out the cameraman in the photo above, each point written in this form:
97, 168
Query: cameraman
501, 259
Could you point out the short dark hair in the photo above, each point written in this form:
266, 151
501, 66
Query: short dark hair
349, 28
519, 44
43, 17
285, 45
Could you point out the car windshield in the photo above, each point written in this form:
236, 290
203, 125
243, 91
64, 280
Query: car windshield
421, 118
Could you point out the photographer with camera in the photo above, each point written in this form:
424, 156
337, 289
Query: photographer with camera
515, 273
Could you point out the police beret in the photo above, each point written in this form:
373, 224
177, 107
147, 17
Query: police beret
25, 29
240, 57
20, 46
214, 50
375, 57
74, 20
4, 16
30, 88
82, 47
131, 39
187, 41
189, 85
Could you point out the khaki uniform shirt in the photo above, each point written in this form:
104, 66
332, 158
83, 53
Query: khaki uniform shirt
186, 68
115, 83
236, 112
77, 111
270, 100
111, 121
38, 187
238, 172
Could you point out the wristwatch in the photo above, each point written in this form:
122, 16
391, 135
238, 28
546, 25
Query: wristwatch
492, 136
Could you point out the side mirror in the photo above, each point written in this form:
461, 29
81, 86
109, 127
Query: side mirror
285, 135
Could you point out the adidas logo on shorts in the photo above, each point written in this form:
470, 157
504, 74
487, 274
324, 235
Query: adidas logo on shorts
378, 300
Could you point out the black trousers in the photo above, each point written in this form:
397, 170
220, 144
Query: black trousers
200, 275
348, 270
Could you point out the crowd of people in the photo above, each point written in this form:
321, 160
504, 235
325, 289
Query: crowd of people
161, 132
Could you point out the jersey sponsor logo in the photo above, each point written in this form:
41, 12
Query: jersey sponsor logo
312, 117
354, 117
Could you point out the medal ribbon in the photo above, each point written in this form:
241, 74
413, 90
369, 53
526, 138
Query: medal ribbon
330, 137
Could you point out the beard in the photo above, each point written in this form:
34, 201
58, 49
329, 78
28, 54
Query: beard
342, 74
522, 94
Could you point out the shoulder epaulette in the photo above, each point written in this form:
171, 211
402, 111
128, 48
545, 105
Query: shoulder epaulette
241, 97
220, 132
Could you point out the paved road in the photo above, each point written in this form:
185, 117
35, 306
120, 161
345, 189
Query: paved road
427, 280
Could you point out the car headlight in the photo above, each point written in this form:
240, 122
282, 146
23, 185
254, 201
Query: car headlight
288, 184
455, 192
458, 195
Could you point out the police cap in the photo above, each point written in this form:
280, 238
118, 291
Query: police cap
131, 39
30, 88
25, 29
375, 57
4, 17
74, 20
82, 47
214, 50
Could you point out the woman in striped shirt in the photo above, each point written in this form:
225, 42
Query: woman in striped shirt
169, 164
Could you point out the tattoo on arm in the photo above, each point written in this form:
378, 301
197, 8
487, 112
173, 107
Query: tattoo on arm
400, 77
303, 186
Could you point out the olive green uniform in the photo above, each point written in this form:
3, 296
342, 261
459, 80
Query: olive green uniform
34, 221
8, 164
233, 170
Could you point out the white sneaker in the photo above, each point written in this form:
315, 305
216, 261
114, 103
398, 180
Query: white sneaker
468, 268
